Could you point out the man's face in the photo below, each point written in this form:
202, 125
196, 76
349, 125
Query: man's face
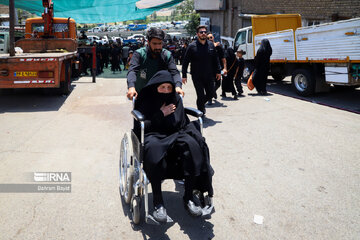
202, 33
156, 45
210, 37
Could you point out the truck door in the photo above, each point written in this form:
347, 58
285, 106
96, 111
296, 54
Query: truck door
240, 40
243, 40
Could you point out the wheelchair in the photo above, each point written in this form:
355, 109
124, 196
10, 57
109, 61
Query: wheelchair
133, 180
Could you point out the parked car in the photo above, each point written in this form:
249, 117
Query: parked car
93, 38
136, 36
117, 39
113, 29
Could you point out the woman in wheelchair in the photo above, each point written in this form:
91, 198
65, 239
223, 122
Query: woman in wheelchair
173, 146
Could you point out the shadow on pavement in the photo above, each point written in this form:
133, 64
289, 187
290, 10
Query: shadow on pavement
258, 94
30, 100
195, 228
208, 122
343, 99
216, 103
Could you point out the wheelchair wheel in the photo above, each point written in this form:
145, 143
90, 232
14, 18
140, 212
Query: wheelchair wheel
125, 170
135, 206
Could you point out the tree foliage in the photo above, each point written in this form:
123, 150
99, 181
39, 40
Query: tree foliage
193, 23
185, 8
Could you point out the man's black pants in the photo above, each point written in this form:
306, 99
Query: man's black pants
204, 87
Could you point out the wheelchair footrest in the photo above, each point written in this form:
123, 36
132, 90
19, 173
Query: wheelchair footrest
207, 211
149, 219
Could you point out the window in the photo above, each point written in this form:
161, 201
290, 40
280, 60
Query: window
58, 27
39, 27
240, 39
61, 27
250, 36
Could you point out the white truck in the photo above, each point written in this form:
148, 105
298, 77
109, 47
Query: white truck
314, 56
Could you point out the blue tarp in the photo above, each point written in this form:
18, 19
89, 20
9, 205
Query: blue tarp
92, 11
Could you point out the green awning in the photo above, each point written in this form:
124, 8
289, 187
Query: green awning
94, 11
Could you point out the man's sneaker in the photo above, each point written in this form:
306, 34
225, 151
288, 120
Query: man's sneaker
160, 213
194, 210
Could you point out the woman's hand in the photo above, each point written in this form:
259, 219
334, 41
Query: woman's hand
168, 109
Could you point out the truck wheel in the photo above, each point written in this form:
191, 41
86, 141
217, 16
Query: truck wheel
65, 86
303, 82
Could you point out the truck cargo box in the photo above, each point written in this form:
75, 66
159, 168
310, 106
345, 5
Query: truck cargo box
282, 44
330, 41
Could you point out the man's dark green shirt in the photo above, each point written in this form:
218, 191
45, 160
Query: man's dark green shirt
143, 66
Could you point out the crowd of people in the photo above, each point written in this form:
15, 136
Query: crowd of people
115, 54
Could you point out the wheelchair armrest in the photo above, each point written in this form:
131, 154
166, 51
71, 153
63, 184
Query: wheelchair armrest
138, 115
193, 112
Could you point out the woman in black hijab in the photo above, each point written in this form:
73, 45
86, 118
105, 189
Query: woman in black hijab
262, 66
168, 132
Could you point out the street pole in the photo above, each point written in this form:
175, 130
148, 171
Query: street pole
12, 26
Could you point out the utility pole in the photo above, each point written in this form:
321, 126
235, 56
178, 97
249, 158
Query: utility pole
12, 27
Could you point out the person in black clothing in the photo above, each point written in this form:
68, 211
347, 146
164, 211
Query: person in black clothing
98, 58
169, 135
228, 80
262, 66
204, 65
239, 70
105, 56
222, 59
114, 54
125, 55
148, 60
182, 52
118, 48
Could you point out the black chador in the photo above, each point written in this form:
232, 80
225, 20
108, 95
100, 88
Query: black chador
173, 135
262, 66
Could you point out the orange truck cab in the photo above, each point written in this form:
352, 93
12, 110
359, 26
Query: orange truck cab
62, 28
45, 61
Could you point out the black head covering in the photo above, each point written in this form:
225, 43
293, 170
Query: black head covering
150, 101
230, 56
265, 48
150, 98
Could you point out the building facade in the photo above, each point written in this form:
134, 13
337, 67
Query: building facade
227, 16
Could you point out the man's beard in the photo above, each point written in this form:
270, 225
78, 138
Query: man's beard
202, 37
156, 51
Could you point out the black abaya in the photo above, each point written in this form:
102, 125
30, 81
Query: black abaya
262, 66
164, 135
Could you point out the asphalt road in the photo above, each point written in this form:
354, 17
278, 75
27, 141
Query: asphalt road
293, 162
